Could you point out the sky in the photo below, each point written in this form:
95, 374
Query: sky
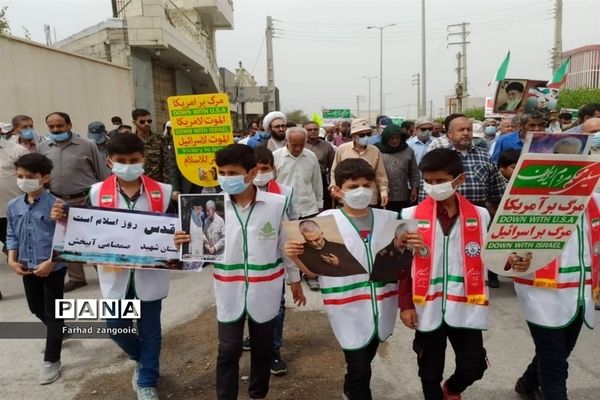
323, 48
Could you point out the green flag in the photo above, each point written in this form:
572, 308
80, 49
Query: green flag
501, 73
560, 75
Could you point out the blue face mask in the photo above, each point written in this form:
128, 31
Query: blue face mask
490, 130
60, 137
363, 141
27, 134
233, 184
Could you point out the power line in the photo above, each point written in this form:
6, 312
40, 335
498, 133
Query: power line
262, 44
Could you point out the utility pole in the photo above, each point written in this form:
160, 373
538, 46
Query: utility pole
359, 98
381, 28
557, 51
430, 109
270, 71
463, 33
417, 82
369, 78
423, 77
459, 85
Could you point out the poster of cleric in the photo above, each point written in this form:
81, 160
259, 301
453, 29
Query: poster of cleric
119, 238
325, 253
524, 95
203, 217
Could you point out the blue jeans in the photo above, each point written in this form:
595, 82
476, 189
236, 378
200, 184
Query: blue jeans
549, 368
143, 347
278, 323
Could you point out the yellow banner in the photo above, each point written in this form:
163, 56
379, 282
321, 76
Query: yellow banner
201, 126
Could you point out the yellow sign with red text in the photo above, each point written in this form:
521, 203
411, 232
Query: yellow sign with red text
200, 126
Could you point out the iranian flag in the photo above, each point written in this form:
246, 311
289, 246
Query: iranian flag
560, 75
423, 225
501, 73
471, 223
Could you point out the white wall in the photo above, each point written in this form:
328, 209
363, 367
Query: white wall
37, 80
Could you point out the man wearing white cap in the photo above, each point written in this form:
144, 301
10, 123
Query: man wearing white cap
422, 138
274, 123
359, 148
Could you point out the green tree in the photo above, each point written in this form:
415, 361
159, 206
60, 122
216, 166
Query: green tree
575, 98
296, 116
4, 26
477, 113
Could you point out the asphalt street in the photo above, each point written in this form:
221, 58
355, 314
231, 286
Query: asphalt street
508, 344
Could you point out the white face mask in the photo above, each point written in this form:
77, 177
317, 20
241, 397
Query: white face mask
439, 192
359, 198
264, 178
127, 172
29, 185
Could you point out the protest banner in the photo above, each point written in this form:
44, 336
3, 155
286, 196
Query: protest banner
203, 217
336, 115
540, 210
201, 126
121, 238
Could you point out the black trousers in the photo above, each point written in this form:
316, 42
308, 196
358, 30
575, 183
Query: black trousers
40, 294
230, 351
549, 368
327, 201
397, 206
357, 381
3, 225
470, 357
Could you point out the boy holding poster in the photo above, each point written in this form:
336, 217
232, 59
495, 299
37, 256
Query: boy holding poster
446, 297
248, 283
129, 189
557, 300
362, 312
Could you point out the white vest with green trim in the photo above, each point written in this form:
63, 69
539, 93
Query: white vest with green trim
446, 300
357, 308
251, 277
557, 307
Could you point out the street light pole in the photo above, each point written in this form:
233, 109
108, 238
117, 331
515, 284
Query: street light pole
369, 78
381, 28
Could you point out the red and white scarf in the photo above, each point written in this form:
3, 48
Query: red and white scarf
548, 276
472, 240
273, 187
109, 193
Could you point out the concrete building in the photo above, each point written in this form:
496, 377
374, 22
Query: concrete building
584, 68
51, 80
168, 44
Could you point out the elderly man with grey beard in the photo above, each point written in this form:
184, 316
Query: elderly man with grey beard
299, 168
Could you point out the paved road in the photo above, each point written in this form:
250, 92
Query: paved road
508, 343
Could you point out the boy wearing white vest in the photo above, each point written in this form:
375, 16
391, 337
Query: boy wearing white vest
265, 181
445, 296
557, 300
362, 312
248, 283
129, 189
